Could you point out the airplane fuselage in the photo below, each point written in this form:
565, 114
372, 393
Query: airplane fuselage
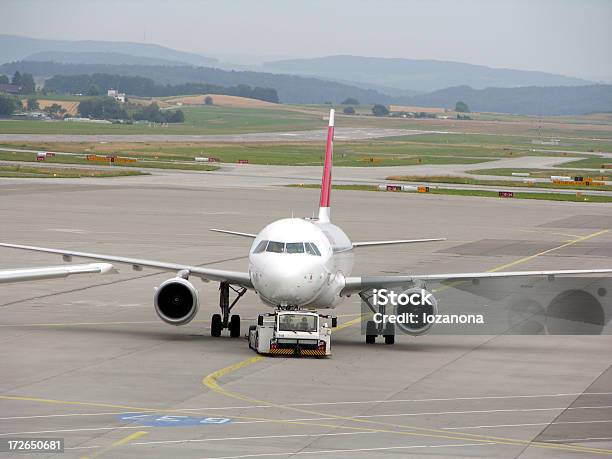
300, 262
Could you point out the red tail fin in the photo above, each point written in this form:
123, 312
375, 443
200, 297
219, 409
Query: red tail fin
327, 171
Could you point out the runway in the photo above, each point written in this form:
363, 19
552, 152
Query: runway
291, 136
86, 359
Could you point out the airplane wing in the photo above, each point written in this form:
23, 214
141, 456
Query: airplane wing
398, 241
207, 274
235, 233
359, 284
52, 272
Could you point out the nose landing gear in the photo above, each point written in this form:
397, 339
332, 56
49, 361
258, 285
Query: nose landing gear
224, 320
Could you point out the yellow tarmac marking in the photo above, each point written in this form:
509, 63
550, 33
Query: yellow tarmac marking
544, 252
573, 236
527, 258
211, 381
349, 323
123, 441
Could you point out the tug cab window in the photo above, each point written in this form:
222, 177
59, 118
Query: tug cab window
298, 323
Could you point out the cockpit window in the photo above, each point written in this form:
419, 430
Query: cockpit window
312, 249
260, 247
295, 247
276, 247
289, 247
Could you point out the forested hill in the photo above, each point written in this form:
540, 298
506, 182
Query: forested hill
290, 88
423, 75
15, 48
99, 83
531, 100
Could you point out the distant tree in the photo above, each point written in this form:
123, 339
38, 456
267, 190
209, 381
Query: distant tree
266, 94
176, 116
94, 90
55, 110
27, 84
350, 101
4, 79
16, 79
102, 108
380, 110
208, 100
462, 107
349, 111
32, 104
327, 102
154, 114
8, 104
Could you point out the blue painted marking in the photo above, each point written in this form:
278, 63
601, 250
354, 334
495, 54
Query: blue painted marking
156, 420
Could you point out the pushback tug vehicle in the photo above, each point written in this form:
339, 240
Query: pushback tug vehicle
292, 333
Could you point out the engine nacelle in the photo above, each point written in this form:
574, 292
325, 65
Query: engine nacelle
176, 301
422, 305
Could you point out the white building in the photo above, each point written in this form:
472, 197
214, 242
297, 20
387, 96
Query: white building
116, 94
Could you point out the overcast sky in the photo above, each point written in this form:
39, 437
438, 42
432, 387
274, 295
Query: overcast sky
571, 37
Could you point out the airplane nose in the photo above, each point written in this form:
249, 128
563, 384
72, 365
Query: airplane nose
289, 281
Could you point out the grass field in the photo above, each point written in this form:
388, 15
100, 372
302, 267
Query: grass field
198, 120
543, 173
488, 137
481, 193
65, 159
501, 183
589, 132
48, 172
408, 150
379, 153
592, 163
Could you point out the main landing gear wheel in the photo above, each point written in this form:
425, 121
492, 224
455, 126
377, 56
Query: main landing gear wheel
371, 332
234, 326
216, 325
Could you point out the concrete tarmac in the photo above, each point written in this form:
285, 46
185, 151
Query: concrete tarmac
87, 360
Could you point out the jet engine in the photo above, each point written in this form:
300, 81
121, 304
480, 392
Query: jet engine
422, 305
176, 301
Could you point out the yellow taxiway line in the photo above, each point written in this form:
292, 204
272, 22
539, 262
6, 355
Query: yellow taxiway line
123, 441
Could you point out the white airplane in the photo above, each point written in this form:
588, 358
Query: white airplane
293, 263
52, 272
